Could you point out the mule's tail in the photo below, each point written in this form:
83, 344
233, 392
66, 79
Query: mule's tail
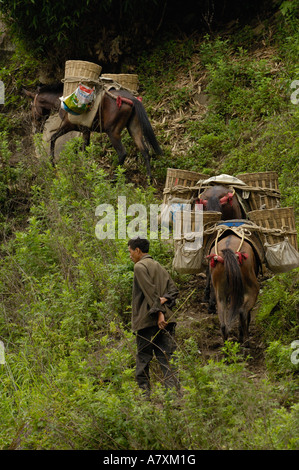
147, 130
234, 284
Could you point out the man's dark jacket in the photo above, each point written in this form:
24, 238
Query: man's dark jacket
151, 281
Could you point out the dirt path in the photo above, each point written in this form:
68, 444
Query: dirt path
204, 327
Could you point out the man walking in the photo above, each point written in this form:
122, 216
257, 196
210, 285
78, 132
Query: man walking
154, 294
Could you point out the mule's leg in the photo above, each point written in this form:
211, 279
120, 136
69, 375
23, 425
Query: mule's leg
86, 137
62, 131
245, 317
221, 310
209, 294
208, 284
250, 297
115, 140
135, 131
212, 300
243, 331
218, 282
52, 144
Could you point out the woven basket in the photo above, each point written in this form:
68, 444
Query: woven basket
279, 221
211, 218
179, 183
126, 80
79, 71
262, 199
208, 219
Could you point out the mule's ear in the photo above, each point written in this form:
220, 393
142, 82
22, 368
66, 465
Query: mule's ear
28, 93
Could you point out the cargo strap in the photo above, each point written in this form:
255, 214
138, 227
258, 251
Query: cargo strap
80, 79
121, 99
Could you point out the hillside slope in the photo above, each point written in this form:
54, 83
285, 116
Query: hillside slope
217, 104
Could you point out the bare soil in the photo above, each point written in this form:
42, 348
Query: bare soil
195, 320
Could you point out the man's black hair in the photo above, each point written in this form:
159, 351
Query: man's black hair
141, 243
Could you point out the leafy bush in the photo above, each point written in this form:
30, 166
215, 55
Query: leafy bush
278, 308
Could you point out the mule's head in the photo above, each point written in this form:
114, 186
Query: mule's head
37, 113
220, 199
40, 109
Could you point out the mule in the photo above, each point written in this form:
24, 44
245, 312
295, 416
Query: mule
234, 271
218, 198
118, 109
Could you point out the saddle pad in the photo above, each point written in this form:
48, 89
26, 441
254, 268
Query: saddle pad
232, 224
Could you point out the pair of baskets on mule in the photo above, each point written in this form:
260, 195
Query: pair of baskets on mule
81, 80
274, 225
277, 245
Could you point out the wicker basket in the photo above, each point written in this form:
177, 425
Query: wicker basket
279, 221
211, 218
126, 80
208, 219
262, 199
179, 183
79, 71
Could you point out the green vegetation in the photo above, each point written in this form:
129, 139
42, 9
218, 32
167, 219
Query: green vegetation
251, 124
50, 30
68, 381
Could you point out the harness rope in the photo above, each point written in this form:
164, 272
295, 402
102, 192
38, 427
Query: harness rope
215, 257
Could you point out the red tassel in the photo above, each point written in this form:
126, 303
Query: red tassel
226, 199
241, 256
119, 101
214, 259
203, 202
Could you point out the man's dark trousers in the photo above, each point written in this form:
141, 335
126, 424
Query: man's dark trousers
161, 342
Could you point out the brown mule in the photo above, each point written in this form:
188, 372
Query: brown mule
234, 270
220, 199
119, 109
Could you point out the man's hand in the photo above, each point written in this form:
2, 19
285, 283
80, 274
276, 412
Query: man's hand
161, 321
163, 300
